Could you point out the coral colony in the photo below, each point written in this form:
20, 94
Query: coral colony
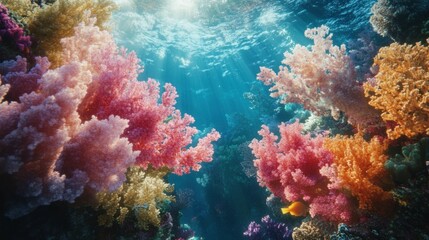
79, 131
74, 130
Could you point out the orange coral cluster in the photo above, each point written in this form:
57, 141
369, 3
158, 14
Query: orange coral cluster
401, 88
360, 168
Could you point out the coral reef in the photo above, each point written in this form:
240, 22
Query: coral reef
67, 14
401, 20
400, 90
360, 169
160, 141
41, 136
299, 168
323, 79
77, 128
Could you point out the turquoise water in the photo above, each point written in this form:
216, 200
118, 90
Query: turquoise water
211, 51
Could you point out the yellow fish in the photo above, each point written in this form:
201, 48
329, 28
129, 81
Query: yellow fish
296, 209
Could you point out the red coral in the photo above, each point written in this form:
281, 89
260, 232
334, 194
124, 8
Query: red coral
298, 168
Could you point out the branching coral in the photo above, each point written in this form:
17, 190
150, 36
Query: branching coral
161, 142
141, 195
322, 78
401, 88
401, 20
79, 127
298, 168
54, 22
13, 40
360, 169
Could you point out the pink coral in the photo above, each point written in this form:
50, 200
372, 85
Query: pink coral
79, 127
322, 78
156, 128
298, 168
20, 80
39, 151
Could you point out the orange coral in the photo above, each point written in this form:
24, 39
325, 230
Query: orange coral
360, 168
401, 88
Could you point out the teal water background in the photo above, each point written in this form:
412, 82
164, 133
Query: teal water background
211, 52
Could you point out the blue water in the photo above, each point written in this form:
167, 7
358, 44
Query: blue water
211, 52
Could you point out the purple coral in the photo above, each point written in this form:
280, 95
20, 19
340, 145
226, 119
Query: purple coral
268, 229
13, 40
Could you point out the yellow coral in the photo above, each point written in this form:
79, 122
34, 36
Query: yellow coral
24, 8
360, 169
141, 195
313, 229
54, 22
401, 88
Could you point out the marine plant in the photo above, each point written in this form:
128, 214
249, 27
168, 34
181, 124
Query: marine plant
410, 162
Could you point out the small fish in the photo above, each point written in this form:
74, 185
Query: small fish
296, 209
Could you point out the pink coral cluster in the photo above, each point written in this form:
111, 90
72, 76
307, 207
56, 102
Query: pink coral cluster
156, 129
299, 168
322, 78
79, 127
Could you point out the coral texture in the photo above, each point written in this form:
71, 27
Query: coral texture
401, 90
62, 17
23, 8
322, 78
310, 230
15, 74
268, 229
298, 168
156, 128
79, 127
140, 195
360, 169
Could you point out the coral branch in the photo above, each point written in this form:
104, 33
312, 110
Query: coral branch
323, 79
